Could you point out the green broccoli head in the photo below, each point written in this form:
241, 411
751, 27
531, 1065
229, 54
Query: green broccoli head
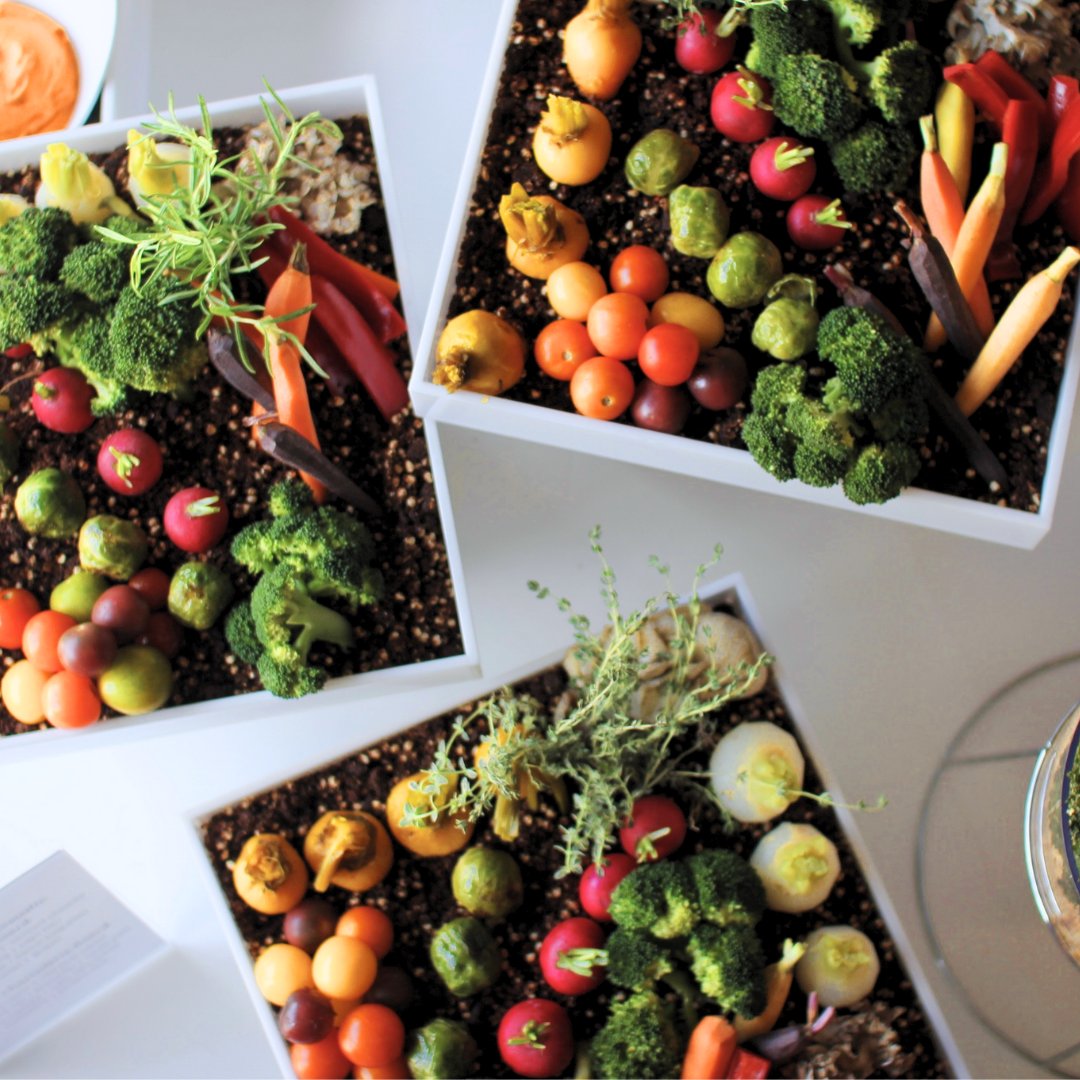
903, 419
288, 497
658, 897
875, 157
84, 345
635, 959
802, 28
880, 473
241, 634
728, 888
152, 338
902, 81
765, 431
99, 270
36, 242
816, 97
857, 21
729, 965
639, 1039
825, 442
30, 306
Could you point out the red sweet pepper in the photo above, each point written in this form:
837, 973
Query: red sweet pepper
1054, 172
1020, 131
1068, 205
1062, 91
747, 1066
1019, 88
989, 97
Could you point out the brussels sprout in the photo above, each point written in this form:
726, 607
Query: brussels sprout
465, 956
9, 452
112, 546
440, 1050
699, 221
49, 503
659, 162
75, 595
198, 594
487, 883
787, 328
744, 270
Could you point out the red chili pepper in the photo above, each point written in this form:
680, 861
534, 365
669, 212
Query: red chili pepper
1068, 204
1064, 89
747, 1066
1021, 132
1018, 88
369, 358
990, 99
339, 376
1054, 171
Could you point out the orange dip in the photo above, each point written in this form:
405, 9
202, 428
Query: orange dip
39, 72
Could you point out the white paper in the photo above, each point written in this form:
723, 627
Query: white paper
64, 939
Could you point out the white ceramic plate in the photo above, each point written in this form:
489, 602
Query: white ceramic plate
91, 26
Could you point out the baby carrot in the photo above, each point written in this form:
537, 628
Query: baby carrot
291, 399
954, 115
709, 1052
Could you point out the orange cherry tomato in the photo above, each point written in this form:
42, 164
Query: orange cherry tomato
40, 635
372, 1035
320, 1061
70, 701
344, 967
602, 388
573, 288
639, 270
16, 607
668, 354
562, 347
370, 925
398, 1069
20, 691
617, 323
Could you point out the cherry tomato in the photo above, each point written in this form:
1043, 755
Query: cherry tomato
660, 408
281, 969
16, 607
398, 1069
152, 585
639, 270
70, 701
536, 1038
656, 829
41, 635
568, 956
343, 967
739, 106
595, 888
20, 691
698, 47
573, 288
668, 353
693, 312
320, 1061
602, 388
719, 380
562, 347
61, 400
617, 323
368, 924
372, 1035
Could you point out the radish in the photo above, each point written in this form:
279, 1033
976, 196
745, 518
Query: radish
656, 829
195, 519
596, 888
740, 106
61, 400
571, 956
783, 168
129, 461
817, 223
536, 1038
699, 48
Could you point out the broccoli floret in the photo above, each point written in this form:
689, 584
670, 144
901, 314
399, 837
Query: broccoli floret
857, 21
152, 338
729, 965
803, 28
728, 888
817, 97
290, 497
903, 419
84, 345
874, 157
99, 270
900, 81
880, 473
826, 442
658, 897
241, 634
765, 431
635, 959
30, 306
36, 242
639, 1039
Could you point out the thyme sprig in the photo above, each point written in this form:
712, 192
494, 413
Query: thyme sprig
601, 749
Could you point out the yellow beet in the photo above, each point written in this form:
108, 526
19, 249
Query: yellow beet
572, 142
269, 874
350, 849
479, 351
443, 838
601, 44
541, 233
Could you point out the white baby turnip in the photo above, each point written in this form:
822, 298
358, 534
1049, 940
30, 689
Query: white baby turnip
798, 865
757, 771
840, 964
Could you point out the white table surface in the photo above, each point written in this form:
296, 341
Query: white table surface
892, 635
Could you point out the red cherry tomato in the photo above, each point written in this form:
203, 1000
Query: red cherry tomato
536, 1038
372, 1035
817, 223
195, 519
719, 380
698, 47
129, 461
562, 347
41, 635
568, 956
667, 354
602, 388
61, 400
320, 1061
370, 925
16, 607
783, 168
617, 323
656, 829
595, 888
70, 701
639, 270
152, 585
739, 106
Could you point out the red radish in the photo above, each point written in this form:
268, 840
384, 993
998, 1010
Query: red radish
195, 519
61, 400
595, 889
129, 461
572, 960
656, 829
698, 47
783, 168
740, 106
817, 223
536, 1038
19, 352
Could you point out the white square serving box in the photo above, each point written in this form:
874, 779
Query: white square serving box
346, 97
691, 457
730, 590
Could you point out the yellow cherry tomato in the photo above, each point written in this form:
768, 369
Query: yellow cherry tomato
344, 967
573, 288
693, 312
280, 970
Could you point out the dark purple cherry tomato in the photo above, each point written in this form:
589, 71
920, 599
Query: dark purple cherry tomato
719, 380
660, 408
